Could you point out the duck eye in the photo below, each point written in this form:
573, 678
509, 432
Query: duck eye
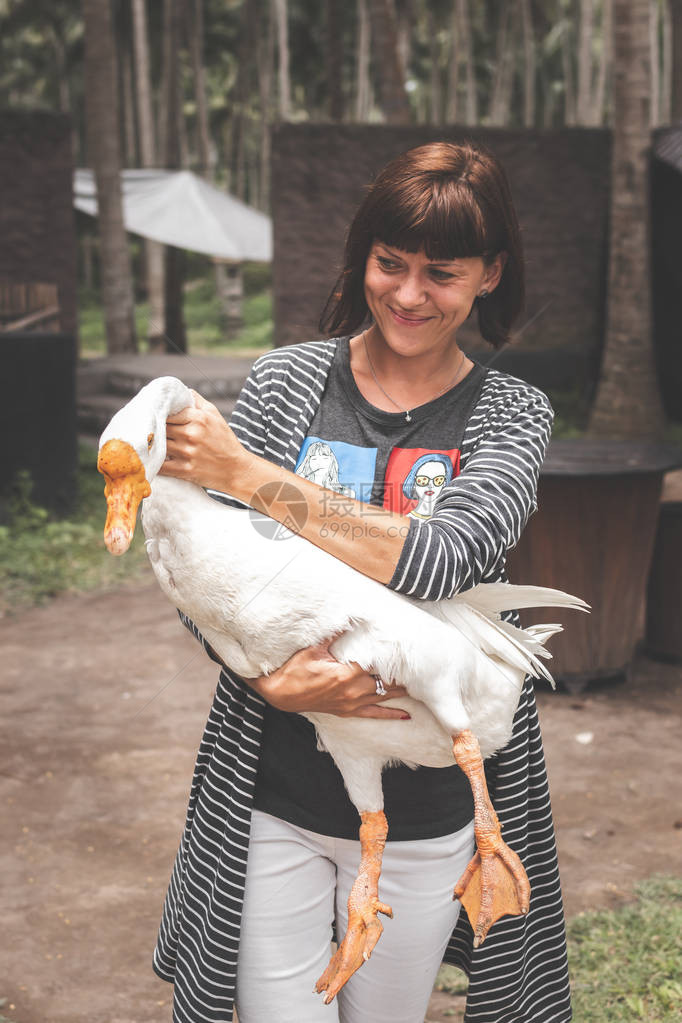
150, 441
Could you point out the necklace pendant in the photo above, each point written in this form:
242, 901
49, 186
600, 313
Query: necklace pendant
408, 417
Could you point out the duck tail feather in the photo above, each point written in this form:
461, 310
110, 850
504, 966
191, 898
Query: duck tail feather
491, 598
496, 638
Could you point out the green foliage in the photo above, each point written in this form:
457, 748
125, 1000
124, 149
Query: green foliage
571, 409
41, 555
626, 964
206, 331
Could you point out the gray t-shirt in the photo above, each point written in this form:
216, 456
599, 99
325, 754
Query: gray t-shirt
355, 450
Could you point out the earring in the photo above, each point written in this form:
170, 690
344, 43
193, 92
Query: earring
484, 293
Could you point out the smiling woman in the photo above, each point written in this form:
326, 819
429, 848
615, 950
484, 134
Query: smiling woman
453, 205
418, 467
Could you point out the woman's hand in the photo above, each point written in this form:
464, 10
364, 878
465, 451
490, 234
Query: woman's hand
313, 680
201, 447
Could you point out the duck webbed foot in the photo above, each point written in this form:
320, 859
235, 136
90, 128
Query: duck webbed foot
494, 884
364, 927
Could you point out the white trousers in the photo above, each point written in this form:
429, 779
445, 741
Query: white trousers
297, 882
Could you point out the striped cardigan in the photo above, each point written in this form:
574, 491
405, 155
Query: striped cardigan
519, 974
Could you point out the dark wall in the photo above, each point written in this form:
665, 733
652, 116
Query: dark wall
38, 243
560, 184
38, 416
37, 234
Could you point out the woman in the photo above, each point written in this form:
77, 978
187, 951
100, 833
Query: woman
435, 237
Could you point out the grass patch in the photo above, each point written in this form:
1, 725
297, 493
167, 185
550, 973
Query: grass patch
42, 555
206, 332
451, 980
625, 964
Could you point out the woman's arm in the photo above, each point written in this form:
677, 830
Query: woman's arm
479, 515
201, 447
313, 680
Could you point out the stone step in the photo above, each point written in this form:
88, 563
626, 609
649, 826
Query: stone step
94, 411
214, 377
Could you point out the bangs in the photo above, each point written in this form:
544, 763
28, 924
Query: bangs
445, 221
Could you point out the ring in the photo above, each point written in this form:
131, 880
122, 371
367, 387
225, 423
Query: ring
379, 685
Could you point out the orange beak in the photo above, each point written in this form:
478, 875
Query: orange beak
126, 485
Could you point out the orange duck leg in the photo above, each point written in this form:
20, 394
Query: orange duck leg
494, 884
364, 927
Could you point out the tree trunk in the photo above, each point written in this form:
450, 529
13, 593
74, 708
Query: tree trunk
232, 312
452, 102
335, 60
628, 403
584, 111
528, 64
605, 59
143, 84
666, 63
282, 22
405, 19
182, 129
102, 128
242, 90
88, 246
676, 98
435, 90
175, 336
569, 78
391, 73
467, 54
127, 88
59, 48
265, 55
362, 82
62, 70
499, 101
655, 63
196, 35
154, 255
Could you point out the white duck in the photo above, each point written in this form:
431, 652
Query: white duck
257, 601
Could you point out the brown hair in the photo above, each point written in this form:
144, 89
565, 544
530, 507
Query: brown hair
451, 200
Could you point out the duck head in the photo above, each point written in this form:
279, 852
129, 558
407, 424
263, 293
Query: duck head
132, 449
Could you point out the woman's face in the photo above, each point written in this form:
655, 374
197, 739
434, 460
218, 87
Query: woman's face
418, 303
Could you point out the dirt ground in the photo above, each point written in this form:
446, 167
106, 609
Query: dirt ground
105, 698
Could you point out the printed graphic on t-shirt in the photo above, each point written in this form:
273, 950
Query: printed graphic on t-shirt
347, 469
415, 477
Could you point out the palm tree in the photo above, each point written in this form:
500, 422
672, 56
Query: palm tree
282, 22
102, 128
628, 403
175, 334
145, 120
390, 69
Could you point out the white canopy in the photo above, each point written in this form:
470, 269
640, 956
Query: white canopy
179, 208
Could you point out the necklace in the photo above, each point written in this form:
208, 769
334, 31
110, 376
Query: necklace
408, 417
